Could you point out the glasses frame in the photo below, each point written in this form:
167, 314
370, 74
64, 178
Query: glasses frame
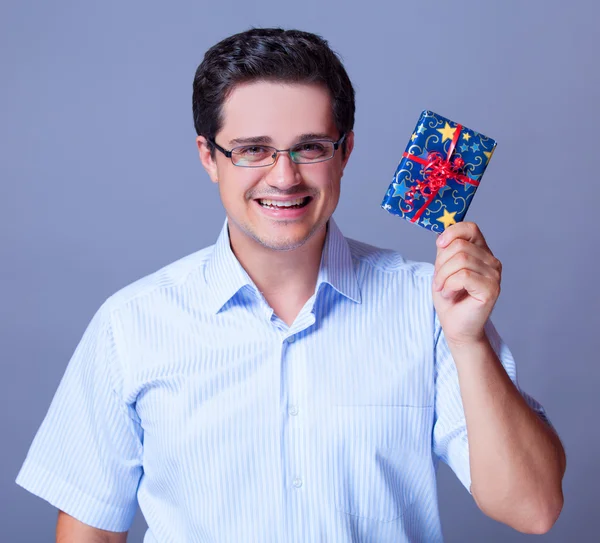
229, 153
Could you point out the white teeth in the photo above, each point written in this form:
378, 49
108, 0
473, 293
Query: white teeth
287, 203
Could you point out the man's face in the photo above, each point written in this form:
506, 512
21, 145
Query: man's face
283, 115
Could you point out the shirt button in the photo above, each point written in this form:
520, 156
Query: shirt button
297, 482
291, 339
293, 410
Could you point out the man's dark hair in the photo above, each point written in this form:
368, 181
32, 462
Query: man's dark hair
269, 54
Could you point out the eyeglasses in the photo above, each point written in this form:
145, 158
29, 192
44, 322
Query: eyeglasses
257, 156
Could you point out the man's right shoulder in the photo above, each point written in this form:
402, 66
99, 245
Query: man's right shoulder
171, 277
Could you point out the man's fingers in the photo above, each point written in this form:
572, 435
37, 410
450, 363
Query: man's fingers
482, 288
464, 261
468, 231
459, 246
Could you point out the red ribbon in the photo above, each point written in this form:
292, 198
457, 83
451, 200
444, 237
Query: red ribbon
436, 173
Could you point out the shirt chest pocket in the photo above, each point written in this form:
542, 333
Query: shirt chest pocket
378, 458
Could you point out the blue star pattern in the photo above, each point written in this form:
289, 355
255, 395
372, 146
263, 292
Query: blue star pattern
400, 189
466, 186
447, 197
443, 190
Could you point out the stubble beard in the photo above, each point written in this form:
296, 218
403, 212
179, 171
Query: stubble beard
283, 243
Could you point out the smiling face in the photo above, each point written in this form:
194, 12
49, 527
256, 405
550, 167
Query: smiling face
257, 200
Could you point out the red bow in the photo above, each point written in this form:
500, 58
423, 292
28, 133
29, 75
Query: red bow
436, 173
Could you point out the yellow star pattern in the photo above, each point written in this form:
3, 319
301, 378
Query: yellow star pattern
466, 136
447, 218
488, 154
413, 137
447, 132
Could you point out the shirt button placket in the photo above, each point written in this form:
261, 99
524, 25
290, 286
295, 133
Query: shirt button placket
293, 411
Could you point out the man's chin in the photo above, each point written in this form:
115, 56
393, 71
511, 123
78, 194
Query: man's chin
279, 237
282, 244
287, 241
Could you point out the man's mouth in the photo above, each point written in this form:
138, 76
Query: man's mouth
295, 203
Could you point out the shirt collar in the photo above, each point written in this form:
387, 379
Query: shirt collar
225, 276
337, 268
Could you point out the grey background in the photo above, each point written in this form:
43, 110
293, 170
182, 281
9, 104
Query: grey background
100, 184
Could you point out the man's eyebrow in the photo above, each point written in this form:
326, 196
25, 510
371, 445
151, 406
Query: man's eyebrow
267, 140
253, 139
318, 136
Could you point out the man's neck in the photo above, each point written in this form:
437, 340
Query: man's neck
287, 279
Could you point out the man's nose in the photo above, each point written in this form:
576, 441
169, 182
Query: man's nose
284, 173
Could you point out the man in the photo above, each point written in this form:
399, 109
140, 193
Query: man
288, 384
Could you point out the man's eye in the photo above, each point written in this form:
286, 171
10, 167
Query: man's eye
311, 147
252, 150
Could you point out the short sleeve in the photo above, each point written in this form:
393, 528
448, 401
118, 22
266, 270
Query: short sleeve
86, 458
450, 442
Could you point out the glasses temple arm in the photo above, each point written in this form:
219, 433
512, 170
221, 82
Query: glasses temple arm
224, 151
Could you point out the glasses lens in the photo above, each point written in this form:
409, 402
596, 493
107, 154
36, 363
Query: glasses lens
312, 151
253, 155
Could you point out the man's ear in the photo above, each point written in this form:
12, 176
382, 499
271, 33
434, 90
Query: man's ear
349, 141
209, 163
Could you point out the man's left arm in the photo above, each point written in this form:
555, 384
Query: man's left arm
516, 460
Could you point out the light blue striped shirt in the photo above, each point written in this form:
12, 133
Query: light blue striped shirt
189, 396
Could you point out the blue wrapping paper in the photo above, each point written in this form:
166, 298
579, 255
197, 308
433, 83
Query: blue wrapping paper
412, 193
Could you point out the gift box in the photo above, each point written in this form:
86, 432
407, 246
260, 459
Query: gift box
439, 173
